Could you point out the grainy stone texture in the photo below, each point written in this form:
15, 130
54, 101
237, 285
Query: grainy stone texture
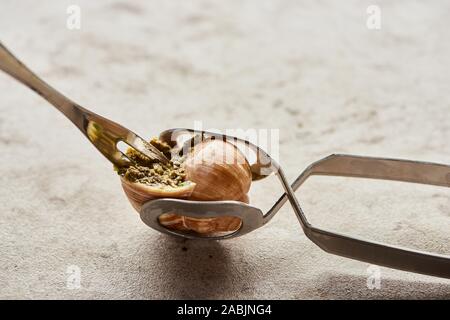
309, 68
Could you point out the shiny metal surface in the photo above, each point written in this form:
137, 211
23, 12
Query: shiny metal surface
103, 133
252, 218
334, 165
261, 166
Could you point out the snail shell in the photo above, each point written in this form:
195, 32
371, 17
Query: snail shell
215, 170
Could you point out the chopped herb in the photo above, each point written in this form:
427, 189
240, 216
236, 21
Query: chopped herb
151, 172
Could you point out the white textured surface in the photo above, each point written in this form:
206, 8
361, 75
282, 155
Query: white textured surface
310, 68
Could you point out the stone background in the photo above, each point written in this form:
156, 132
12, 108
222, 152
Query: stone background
311, 69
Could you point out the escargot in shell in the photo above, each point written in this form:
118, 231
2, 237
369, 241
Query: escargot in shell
211, 170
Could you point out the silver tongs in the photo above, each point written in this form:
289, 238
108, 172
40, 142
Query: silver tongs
335, 243
106, 134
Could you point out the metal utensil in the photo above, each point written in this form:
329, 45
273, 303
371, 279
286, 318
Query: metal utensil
334, 243
103, 133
